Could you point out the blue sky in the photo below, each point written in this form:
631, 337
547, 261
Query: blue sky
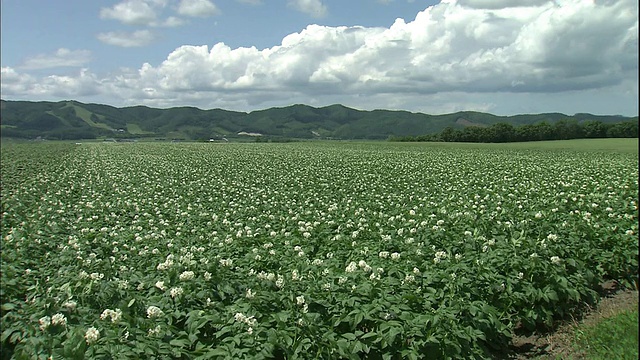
500, 56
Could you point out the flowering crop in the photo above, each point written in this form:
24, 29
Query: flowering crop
303, 250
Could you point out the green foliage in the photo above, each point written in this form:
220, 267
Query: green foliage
306, 250
563, 129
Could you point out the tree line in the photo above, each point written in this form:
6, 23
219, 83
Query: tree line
503, 132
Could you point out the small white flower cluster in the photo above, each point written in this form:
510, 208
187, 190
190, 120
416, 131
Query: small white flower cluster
96, 276
300, 301
160, 285
226, 262
375, 275
154, 312
249, 320
295, 276
187, 275
351, 267
91, 335
207, 275
168, 262
70, 305
364, 266
263, 275
383, 254
44, 322
395, 256
57, 319
249, 294
114, 315
408, 279
176, 291
155, 331
439, 256
556, 260
123, 284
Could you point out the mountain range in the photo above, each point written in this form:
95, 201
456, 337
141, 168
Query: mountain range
76, 120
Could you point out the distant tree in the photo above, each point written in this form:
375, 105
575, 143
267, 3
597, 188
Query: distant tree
594, 129
526, 132
448, 134
544, 131
502, 132
627, 129
567, 129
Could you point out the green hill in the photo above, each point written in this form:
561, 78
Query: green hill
75, 120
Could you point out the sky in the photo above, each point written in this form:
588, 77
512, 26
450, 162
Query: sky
505, 57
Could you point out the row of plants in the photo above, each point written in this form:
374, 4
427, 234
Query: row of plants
304, 250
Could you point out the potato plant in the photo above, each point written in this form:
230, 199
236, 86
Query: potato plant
303, 250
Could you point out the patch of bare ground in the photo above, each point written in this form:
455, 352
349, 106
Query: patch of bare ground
559, 344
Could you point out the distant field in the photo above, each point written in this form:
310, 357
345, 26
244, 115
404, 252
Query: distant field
134, 129
617, 145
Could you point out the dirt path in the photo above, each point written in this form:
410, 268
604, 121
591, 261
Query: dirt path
559, 344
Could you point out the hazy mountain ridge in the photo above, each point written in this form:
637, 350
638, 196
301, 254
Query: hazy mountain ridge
75, 120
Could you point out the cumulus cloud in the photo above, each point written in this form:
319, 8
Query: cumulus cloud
81, 84
60, 58
447, 47
197, 8
14, 83
450, 52
126, 39
314, 8
132, 12
171, 21
500, 4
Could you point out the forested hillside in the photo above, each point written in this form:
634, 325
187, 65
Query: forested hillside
75, 120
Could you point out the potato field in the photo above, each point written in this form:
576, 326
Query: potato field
310, 250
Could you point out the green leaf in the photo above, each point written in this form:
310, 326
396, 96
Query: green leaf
5, 334
8, 306
368, 335
131, 302
349, 336
178, 342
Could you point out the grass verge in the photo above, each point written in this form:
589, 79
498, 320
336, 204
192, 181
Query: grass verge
612, 338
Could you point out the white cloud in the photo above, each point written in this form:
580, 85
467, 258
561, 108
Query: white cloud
125, 39
449, 57
197, 8
446, 48
80, 84
132, 12
500, 4
14, 83
61, 58
252, 2
171, 21
314, 8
